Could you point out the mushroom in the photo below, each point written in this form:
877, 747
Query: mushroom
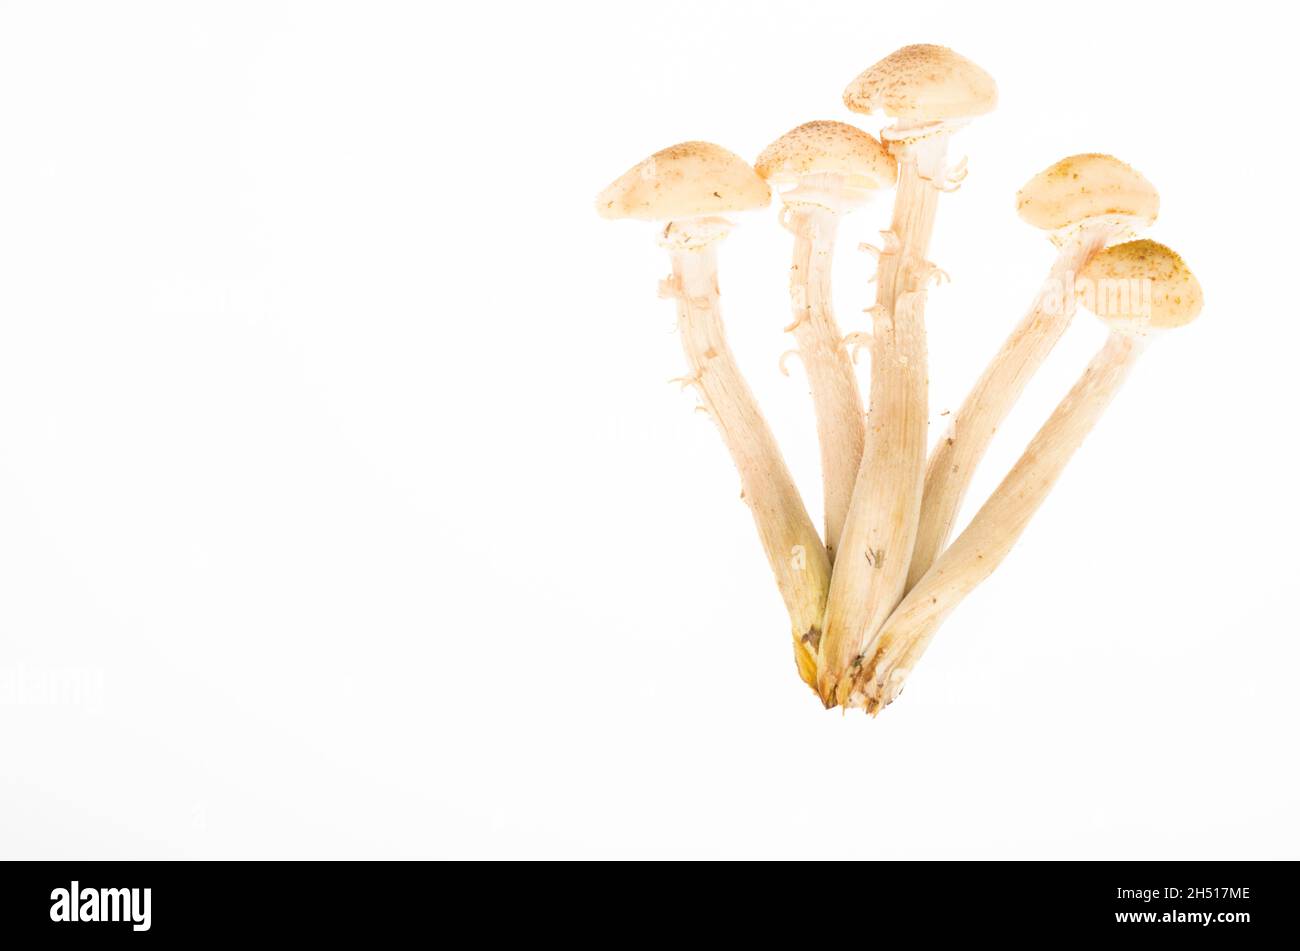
1084, 202
829, 168
1139, 288
689, 187
930, 91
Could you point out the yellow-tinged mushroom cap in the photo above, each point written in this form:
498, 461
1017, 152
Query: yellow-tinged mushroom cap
1140, 286
1085, 187
684, 181
924, 83
825, 147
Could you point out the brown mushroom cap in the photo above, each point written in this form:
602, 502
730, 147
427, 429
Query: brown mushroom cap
1084, 187
1140, 286
828, 147
684, 181
924, 82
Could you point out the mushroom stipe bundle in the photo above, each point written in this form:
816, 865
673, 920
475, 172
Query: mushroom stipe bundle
867, 592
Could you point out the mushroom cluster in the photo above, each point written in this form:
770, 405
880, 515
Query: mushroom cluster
867, 594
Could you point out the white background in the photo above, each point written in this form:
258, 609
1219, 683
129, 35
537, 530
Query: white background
345, 509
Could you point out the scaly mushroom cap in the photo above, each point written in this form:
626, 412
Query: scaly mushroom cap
825, 147
1140, 286
684, 181
924, 83
1087, 187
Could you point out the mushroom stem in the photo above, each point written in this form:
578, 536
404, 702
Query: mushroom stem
953, 461
795, 552
837, 402
880, 531
979, 549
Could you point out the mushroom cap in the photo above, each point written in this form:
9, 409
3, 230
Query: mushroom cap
1084, 187
828, 147
923, 82
1140, 286
684, 181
